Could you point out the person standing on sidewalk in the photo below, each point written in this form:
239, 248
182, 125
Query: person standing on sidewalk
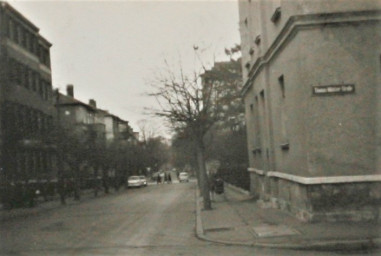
212, 186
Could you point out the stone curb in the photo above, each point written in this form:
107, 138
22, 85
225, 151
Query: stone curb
355, 244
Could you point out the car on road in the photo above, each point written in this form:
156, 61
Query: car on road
143, 180
183, 177
134, 182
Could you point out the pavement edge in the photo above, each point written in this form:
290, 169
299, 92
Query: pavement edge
358, 244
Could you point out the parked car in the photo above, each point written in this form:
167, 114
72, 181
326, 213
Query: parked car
183, 177
143, 180
134, 182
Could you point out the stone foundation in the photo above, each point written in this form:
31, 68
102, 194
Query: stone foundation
321, 199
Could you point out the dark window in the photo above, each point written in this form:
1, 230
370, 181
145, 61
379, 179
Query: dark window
28, 41
11, 30
41, 89
22, 75
47, 58
276, 15
19, 38
283, 114
34, 45
281, 84
30, 79
37, 82
257, 40
25, 75
12, 70
48, 91
18, 67
39, 117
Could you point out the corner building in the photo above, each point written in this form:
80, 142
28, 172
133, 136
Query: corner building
26, 106
312, 95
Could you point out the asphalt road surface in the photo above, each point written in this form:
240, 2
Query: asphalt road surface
156, 220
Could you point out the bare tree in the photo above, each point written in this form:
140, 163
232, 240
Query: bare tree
146, 130
191, 109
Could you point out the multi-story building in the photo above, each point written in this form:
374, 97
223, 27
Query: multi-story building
79, 117
312, 96
26, 106
117, 129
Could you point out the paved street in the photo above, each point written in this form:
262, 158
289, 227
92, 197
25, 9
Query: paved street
156, 220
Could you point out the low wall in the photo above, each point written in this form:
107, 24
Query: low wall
345, 198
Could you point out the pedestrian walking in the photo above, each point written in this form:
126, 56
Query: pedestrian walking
169, 178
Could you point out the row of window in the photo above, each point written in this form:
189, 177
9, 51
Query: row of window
28, 40
24, 122
260, 115
32, 163
24, 76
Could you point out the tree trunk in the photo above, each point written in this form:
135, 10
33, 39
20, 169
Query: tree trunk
61, 189
95, 185
105, 180
197, 170
77, 184
203, 178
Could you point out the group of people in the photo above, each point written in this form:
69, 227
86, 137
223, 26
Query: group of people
165, 179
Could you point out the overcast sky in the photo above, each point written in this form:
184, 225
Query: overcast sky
110, 50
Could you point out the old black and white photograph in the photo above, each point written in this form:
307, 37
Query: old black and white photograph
190, 127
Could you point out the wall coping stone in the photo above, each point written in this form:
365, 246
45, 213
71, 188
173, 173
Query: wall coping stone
257, 171
326, 179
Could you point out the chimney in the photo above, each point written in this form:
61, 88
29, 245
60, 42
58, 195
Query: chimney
93, 103
70, 90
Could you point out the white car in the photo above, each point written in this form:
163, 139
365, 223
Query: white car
143, 180
183, 177
134, 182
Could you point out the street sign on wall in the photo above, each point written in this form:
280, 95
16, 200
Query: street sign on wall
323, 90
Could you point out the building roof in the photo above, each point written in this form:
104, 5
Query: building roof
116, 117
65, 100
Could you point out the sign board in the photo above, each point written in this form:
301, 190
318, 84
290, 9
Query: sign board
333, 89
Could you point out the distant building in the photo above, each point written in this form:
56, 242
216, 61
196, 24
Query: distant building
311, 72
26, 106
116, 128
75, 115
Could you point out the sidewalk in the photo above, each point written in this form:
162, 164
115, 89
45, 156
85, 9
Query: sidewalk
236, 219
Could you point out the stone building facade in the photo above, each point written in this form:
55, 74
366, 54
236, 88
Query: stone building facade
26, 104
312, 95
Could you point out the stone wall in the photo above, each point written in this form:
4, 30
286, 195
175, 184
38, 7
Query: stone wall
314, 202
